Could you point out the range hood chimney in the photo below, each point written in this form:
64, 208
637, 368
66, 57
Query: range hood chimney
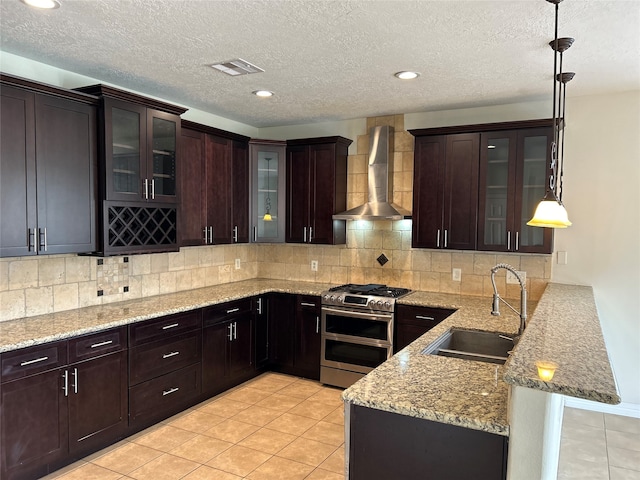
380, 170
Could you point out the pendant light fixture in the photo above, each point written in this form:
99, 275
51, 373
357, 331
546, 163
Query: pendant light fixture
267, 201
551, 212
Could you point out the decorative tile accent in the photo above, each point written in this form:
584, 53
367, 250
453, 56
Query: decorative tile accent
112, 275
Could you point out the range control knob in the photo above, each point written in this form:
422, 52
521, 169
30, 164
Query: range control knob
379, 303
341, 299
387, 305
326, 297
333, 298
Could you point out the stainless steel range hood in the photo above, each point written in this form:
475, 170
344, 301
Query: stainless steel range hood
380, 181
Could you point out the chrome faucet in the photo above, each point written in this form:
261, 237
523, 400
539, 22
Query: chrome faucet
523, 296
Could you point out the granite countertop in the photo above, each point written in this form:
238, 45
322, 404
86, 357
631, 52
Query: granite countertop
25, 332
448, 390
564, 328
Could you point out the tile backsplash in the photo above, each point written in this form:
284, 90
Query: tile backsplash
37, 285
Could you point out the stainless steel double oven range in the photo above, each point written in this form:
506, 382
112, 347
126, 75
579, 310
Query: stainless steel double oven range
357, 331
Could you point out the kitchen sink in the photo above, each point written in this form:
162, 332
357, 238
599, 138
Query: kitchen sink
491, 347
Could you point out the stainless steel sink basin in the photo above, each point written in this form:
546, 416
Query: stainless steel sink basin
488, 347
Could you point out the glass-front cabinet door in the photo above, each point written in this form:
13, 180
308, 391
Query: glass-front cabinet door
162, 172
497, 185
125, 150
140, 151
513, 178
532, 176
267, 190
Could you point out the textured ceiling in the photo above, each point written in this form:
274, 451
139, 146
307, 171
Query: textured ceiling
331, 60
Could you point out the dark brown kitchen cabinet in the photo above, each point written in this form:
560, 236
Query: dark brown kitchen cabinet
97, 377
316, 190
48, 169
139, 160
214, 186
282, 312
384, 445
308, 343
412, 322
164, 366
445, 191
514, 172
227, 346
34, 413
61, 401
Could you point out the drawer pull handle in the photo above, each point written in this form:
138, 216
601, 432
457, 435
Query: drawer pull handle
421, 317
35, 360
305, 304
173, 325
101, 344
233, 310
172, 354
170, 391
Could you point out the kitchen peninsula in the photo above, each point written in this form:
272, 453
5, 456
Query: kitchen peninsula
510, 400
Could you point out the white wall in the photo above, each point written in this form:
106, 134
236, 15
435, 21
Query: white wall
602, 196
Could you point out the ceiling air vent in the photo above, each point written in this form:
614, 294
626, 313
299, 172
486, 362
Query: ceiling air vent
236, 67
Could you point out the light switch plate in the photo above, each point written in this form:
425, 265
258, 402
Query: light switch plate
237, 264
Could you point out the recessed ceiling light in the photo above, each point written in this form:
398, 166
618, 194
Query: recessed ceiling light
407, 75
263, 93
46, 4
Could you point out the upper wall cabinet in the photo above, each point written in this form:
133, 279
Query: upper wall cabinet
48, 164
316, 190
268, 182
445, 191
514, 170
139, 160
476, 186
214, 186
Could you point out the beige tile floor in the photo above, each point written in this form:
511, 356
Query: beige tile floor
282, 427
272, 427
599, 446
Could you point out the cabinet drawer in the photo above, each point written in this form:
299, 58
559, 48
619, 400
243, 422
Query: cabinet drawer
30, 360
154, 359
96, 344
308, 302
224, 311
428, 316
163, 395
171, 325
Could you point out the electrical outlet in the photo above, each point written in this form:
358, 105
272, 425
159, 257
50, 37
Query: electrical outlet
237, 264
511, 278
314, 265
562, 258
456, 274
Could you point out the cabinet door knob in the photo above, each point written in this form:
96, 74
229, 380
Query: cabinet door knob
304, 234
445, 238
517, 241
153, 189
438, 239
145, 184
235, 234
206, 235
65, 383
31, 234
42, 233
310, 234
509, 240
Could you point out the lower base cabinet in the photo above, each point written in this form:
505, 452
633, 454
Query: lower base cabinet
60, 401
384, 445
227, 346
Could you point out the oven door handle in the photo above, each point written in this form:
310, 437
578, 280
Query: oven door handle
371, 342
387, 317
